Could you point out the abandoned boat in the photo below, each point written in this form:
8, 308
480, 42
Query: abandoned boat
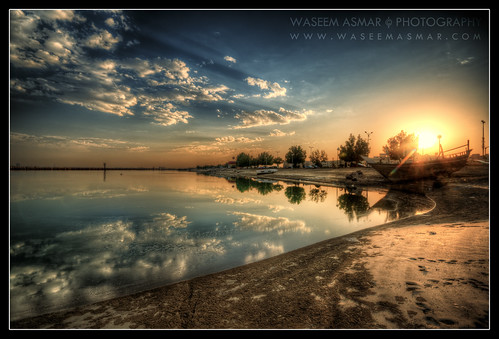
266, 170
411, 169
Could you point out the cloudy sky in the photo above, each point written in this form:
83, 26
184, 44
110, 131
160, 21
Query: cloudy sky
179, 88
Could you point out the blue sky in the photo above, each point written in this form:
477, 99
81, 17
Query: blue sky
180, 88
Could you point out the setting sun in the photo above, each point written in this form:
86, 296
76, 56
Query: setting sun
427, 140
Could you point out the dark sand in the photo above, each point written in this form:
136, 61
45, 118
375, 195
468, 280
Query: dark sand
426, 271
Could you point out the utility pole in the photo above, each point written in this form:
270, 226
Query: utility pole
368, 135
483, 138
440, 150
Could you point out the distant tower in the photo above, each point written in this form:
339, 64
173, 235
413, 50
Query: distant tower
368, 135
483, 138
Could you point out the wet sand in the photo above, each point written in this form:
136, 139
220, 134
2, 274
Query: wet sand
428, 271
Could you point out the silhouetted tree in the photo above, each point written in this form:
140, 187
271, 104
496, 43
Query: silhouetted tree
295, 194
317, 195
243, 160
399, 146
265, 158
317, 157
296, 155
354, 149
354, 205
278, 160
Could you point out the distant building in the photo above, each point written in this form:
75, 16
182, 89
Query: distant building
231, 164
290, 165
329, 163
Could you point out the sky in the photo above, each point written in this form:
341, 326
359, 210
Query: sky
181, 88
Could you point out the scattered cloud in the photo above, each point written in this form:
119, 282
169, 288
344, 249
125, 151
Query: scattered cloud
169, 222
230, 139
88, 143
279, 208
163, 114
235, 201
465, 61
151, 87
262, 223
264, 250
230, 59
102, 39
198, 148
275, 90
277, 133
225, 144
110, 22
269, 117
111, 241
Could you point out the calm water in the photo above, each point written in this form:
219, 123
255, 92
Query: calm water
78, 237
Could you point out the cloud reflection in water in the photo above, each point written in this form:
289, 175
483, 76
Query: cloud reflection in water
77, 239
82, 265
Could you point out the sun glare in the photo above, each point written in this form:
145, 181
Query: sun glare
427, 140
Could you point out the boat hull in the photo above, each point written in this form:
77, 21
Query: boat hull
266, 170
421, 170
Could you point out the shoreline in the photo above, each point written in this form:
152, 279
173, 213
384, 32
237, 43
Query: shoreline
424, 271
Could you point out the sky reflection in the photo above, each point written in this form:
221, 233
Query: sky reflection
76, 239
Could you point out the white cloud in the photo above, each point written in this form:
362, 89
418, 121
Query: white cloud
116, 86
264, 250
265, 117
164, 114
198, 148
110, 22
111, 241
38, 43
465, 61
230, 139
230, 59
109, 99
275, 90
62, 15
262, 223
277, 133
56, 141
220, 145
236, 201
132, 43
263, 84
102, 39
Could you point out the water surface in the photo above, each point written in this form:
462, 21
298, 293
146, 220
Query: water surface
78, 237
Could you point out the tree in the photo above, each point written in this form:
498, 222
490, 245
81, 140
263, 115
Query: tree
353, 204
296, 155
354, 149
295, 194
399, 146
278, 161
243, 160
317, 195
317, 157
265, 158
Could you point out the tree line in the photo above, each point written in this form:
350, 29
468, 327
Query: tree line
351, 151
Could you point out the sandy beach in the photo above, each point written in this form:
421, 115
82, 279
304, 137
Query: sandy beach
428, 271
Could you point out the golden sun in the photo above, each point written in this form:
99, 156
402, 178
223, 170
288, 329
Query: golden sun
427, 140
